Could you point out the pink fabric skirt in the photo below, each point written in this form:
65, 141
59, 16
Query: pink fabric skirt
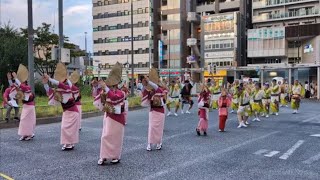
80, 114
111, 139
70, 127
203, 120
156, 125
27, 120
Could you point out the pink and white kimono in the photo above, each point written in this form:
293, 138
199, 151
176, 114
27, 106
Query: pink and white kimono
156, 115
96, 94
113, 127
70, 116
203, 105
28, 114
77, 96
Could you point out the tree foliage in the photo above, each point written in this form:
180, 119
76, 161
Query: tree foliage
13, 51
44, 42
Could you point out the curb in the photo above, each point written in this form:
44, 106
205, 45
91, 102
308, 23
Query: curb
49, 120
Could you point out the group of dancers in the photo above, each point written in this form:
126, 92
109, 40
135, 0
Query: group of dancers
110, 96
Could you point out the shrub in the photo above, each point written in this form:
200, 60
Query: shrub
39, 89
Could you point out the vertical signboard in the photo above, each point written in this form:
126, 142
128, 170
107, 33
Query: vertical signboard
160, 50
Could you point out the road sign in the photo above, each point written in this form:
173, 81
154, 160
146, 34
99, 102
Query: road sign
191, 41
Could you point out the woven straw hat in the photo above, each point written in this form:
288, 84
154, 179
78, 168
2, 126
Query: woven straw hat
153, 76
115, 74
60, 74
23, 73
74, 77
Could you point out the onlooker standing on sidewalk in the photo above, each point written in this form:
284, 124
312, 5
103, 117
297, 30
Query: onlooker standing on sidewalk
223, 103
307, 88
9, 102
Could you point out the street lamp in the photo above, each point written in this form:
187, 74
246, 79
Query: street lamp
169, 45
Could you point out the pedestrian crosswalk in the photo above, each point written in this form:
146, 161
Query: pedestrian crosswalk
286, 155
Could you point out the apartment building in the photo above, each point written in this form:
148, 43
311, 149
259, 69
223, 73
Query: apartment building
172, 28
285, 32
112, 35
222, 32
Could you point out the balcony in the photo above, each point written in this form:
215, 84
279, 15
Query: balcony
205, 7
265, 4
286, 16
229, 5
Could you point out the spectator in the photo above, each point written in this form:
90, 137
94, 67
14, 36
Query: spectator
307, 88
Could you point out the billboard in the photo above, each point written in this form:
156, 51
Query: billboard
266, 33
160, 51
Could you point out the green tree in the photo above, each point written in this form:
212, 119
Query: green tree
44, 41
13, 51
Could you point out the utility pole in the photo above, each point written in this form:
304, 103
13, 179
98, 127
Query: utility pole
30, 46
132, 52
169, 52
87, 57
61, 38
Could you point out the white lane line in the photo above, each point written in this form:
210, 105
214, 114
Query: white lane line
272, 153
311, 118
315, 135
312, 159
261, 151
291, 150
204, 158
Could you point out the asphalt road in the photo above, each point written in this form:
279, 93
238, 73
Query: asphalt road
281, 147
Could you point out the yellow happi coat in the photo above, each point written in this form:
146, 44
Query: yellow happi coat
297, 92
256, 103
275, 98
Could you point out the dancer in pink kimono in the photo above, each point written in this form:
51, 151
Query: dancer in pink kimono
203, 105
74, 78
114, 120
64, 96
152, 95
28, 114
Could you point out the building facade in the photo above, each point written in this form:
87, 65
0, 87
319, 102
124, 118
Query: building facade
285, 32
112, 35
222, 32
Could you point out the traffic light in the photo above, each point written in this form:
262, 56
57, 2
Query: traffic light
214, 69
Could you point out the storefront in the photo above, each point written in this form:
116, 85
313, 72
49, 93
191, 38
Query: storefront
219, 77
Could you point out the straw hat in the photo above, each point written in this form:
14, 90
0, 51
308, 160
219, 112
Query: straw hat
74, 77
61, 73
153, 76
23, 73
114, 77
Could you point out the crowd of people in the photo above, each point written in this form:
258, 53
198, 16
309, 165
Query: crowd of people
246, 99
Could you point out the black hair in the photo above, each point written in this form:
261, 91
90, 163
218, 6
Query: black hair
186, 81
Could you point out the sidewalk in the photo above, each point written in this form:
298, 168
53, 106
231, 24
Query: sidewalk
56, 119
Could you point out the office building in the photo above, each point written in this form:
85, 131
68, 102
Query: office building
285, 32
112, 36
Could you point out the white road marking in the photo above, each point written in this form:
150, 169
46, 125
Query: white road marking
272, 153
312, 159
204, 158
261, 151
315, 135
291, 150
311, 118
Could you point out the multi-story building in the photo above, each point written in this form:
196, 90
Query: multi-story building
174, 29
223, 30
112, 35
285, 32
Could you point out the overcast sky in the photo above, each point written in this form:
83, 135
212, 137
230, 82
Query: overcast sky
77, 17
